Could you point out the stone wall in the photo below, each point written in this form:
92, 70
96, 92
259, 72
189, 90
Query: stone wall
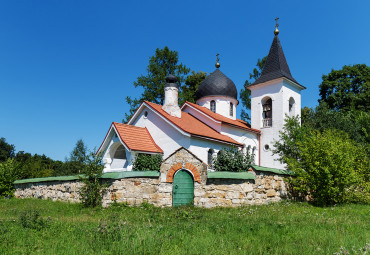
54, 190
134, 191
267, 187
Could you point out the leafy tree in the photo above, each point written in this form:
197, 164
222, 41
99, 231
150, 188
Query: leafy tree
347, 89
9, 172
163, 63
192, 84
33, 166
245, 94
232, 160
93, 189
6, 150
355, 123
147, 162
330, 167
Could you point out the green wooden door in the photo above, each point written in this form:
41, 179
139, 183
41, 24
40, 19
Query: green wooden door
183, 189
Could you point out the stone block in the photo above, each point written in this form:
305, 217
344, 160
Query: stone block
271, 193
165, 188
247, 187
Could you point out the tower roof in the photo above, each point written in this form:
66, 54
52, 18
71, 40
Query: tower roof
276, 65
217, 84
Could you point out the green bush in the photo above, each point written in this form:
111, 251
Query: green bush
330, 167
93, 189
8, 174
147, 162
31, 219
232, 160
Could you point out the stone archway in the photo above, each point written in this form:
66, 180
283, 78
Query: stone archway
186, 160
188, 166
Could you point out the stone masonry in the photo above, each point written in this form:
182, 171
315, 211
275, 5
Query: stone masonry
266, 188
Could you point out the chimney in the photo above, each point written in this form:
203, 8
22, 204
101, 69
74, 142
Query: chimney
171, 92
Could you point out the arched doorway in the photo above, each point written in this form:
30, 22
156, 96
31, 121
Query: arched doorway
182, 189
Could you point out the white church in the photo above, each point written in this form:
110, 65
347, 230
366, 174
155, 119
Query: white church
209, 125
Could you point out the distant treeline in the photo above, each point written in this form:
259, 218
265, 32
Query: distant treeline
27, 165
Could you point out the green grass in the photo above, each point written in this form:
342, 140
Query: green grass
283, 228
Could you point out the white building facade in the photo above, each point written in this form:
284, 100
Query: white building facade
209, 125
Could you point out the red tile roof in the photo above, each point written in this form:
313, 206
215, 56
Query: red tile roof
236, 123
193, 126
137, 138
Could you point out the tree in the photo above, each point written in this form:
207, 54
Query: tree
93, 189
77, 158
355, 123
192, 84
163, 63
9, 172
245, 93
329, 166
6, 150
347, 89
232, 160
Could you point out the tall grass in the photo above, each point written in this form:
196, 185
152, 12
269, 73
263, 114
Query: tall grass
283, 228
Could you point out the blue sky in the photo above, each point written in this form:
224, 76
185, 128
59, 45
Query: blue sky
67, 66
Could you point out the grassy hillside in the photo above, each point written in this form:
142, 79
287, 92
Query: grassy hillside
284, 228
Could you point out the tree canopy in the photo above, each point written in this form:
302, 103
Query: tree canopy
6, 150
329, 166
163, 63
245, 94
347, 89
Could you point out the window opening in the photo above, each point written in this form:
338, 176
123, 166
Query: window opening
231, 109
210, 157
213, 106
267, 113
120, 153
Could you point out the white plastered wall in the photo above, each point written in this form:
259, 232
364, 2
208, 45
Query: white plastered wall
222, 105
164, 135
280, 91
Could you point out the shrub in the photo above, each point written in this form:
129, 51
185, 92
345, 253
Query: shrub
93, 190
147, 162
330, 167
232, 160
31, 219
8, 174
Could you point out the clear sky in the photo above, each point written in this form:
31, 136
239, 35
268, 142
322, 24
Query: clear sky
67, 66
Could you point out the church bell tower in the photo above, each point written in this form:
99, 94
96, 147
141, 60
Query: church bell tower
274, 95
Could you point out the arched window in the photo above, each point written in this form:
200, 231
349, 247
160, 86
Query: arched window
267, 113
210, 157
120, 153
213, 106
231, 109
291, 107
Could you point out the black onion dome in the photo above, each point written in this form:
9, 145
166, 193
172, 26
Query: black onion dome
171, 81
217, 84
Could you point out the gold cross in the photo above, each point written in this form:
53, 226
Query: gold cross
276, 22
217, 57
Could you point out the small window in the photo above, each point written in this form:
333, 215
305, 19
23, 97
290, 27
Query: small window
291, 107
267, 147
210, 157
231, 109
145, 114
120, 153
213, 106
